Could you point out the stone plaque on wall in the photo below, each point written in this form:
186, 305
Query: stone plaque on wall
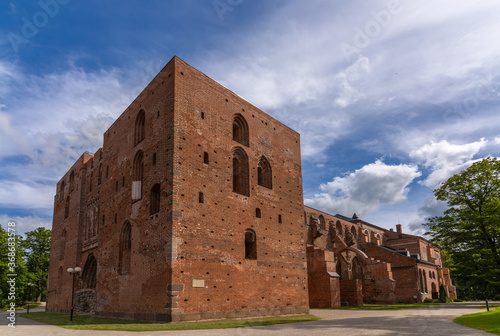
198, 283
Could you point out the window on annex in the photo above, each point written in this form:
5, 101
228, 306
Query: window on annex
140, 124
240, 130
250, 244
125, 248
154, 199
240, 172
264, 173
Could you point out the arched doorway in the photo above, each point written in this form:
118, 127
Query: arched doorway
85, 297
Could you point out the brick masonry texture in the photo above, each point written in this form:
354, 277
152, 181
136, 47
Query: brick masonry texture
193, 209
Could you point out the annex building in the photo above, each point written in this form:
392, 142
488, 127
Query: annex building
193, 209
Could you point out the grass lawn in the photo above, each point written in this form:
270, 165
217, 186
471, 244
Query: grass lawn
88, 322
397, 306
486, 321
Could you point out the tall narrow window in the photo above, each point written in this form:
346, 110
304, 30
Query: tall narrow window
240, 172
125, 247
140, 127
264, 173
240, 130
61, 188
99, 175
90, 181
338, 226
154, 205
66, 208
250, 244
353, 231
279, 219
205, 157
72, 181
258, 214
321, 222
63, 245
201, 197
137, 176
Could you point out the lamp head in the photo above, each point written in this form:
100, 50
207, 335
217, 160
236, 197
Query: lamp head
78, 269
70, 270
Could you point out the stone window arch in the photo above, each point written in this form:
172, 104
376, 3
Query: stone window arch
89, 276
140, 127
154, 199
125, 248
321, 222
264, 173
137, 176
63, 244
241, 183
250, 244
240, 130
367, 235
338, 226
353, 232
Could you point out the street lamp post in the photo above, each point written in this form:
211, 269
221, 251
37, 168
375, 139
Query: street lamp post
73, 272
30, 285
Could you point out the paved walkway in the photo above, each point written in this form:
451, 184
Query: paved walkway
433, 321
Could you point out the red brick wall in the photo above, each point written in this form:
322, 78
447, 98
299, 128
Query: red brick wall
186, 240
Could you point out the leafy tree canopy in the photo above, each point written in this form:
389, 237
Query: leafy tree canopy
469, 230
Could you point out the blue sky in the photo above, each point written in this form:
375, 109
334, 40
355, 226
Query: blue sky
390, 97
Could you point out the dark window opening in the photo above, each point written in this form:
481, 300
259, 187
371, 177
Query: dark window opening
258, 214
202, 115
66, 208
154, 159
279, 218
240, 130
125, 247
264, 173
240, 172
140, 123
154, 204
200, 197
205, 157
250, 244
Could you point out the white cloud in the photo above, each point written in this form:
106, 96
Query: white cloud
445, 159
25, 224
366, 189
48, 121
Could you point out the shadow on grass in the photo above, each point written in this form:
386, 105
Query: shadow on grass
90, 322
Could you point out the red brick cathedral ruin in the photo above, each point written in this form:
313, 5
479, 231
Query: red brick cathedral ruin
193, 209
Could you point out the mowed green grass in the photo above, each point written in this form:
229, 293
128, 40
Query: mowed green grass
486, 321
88, 322
397, 306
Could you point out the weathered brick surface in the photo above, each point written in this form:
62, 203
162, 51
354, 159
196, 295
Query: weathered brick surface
183, 258
186, 115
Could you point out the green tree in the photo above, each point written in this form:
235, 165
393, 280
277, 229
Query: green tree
37, 249
469, 230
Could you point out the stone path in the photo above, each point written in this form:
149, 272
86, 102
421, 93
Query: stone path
433, 321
